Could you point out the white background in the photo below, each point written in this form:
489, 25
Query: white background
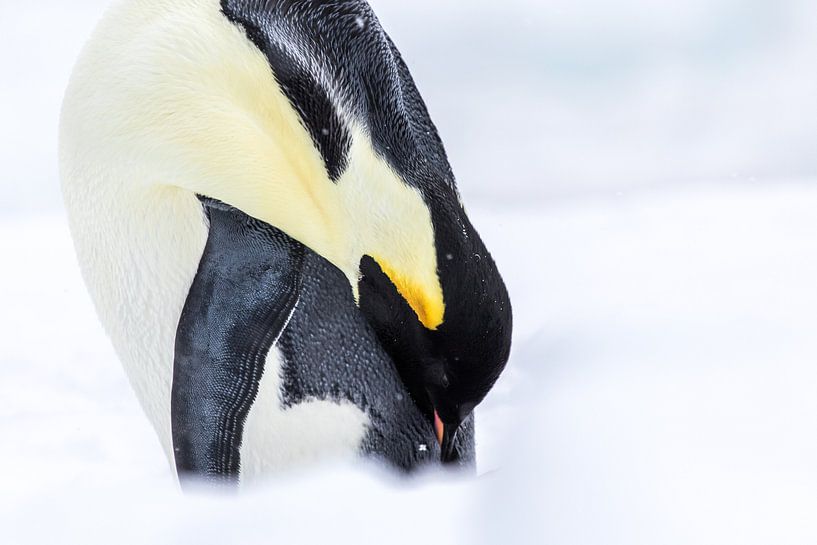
644, 173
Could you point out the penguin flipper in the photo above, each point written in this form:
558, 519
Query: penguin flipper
243, 295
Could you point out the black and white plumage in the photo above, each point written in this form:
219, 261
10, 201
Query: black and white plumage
327, 328
258, 290
300, 115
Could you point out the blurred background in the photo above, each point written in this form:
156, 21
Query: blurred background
536, 98
644, 172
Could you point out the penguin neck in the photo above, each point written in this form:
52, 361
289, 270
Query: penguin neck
391, 222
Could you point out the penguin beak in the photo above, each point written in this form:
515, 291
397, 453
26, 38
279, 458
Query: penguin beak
446, 435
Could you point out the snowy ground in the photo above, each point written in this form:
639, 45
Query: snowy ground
662, 390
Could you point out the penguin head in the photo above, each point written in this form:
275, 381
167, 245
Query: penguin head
451, 368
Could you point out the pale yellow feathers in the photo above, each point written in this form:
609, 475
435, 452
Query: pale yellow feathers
170, 93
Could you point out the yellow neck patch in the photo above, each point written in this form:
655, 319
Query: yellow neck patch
388, 220
426, 301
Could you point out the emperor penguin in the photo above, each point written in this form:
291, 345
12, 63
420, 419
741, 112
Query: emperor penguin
302, 117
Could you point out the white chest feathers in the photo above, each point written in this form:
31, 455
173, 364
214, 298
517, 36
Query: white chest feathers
278, 438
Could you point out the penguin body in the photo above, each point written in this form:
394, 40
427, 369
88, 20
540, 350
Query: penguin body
200, 139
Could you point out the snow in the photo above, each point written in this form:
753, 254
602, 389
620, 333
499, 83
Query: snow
645, 177
661, 391
668, 382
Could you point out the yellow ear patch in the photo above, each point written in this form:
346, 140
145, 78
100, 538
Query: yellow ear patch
426, 301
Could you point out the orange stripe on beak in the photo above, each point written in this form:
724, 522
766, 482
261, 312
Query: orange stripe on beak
438, 427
